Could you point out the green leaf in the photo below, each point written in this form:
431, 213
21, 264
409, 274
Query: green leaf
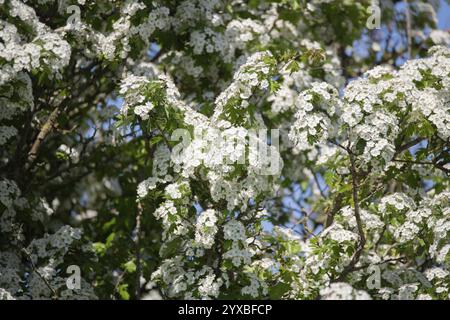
292, 247
330, 178
130, 266
110, 239
274, 86
277, 291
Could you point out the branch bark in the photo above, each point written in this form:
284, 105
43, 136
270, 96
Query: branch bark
408, 28
337, 204
436, 165
409, 145
33, 266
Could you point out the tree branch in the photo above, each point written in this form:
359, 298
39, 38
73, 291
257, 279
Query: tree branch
400, 259
409, 145
33, 266
316, 179
362, 238
337, 204
45, 130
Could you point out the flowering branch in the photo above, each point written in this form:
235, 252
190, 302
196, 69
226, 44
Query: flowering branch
45, 130
362, 239
408, 28
138, 250
33, 266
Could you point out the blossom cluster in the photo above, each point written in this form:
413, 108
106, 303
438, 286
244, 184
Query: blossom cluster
46, 51
373, 106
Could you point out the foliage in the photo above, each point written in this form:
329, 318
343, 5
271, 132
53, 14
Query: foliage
96, 170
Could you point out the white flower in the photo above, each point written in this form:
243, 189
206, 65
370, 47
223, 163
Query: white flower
6, 133
234, 230
143, 110
206, 229
145, 186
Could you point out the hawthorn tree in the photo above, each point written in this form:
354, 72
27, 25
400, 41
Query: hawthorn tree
211, 149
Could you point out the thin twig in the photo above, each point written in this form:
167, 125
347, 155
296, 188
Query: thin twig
409, 145
377, 244
337, 204
33, 266
163, 135
316, 179
138, 250
45, 130
362, 238
338, 144
400, 259
437, 165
